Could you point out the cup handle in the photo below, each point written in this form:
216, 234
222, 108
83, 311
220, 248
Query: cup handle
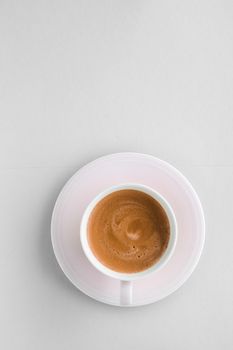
126, 289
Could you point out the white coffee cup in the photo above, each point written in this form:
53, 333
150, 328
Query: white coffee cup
126, 279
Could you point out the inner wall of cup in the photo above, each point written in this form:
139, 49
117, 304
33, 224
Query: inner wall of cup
167, 252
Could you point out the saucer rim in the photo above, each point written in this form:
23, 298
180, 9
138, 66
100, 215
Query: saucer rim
198, 254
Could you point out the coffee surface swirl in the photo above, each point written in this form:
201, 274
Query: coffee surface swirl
128, 231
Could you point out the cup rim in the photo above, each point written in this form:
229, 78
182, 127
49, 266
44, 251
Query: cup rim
135, 275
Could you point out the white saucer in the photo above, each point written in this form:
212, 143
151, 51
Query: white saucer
111, 170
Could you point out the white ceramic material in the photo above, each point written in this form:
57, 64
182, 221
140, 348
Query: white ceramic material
126, 291
104, 173
132, 276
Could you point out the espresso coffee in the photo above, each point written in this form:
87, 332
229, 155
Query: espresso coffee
128, 231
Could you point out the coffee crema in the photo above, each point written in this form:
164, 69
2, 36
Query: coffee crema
128, 231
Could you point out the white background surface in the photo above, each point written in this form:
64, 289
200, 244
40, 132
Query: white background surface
79, 79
